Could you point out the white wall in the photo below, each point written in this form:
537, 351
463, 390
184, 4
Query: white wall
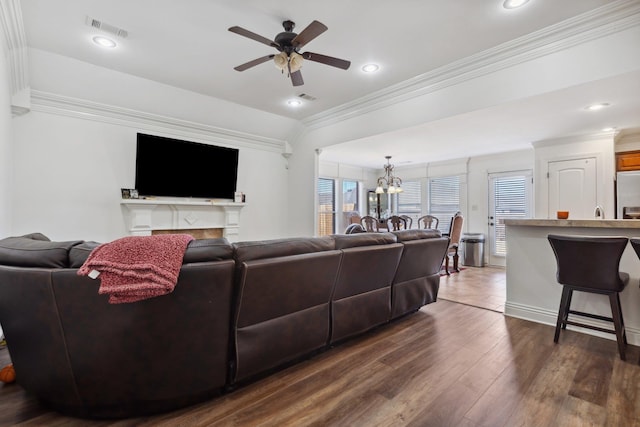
76, 149
6, 142
71, 170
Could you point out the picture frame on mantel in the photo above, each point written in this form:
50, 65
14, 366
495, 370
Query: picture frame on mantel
129, 193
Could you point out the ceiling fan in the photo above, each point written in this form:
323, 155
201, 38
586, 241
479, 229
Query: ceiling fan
288, 44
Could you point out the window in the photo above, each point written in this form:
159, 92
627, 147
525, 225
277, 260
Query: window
349, 196
510, 200
350, 205
326, 206
444, 199
410, 200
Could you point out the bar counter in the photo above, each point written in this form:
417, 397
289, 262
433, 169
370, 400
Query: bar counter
584, 223
532, 290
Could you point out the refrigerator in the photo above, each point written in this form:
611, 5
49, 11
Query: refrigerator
628, 195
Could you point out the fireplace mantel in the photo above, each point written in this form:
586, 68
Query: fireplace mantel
143, 216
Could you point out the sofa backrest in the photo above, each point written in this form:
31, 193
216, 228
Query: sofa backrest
49, 310
283, 289
417, 278
344, 241
362, 296
199, 250
35, 250
416, 234
259, 249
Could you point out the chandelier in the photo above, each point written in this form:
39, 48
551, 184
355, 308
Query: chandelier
391, 182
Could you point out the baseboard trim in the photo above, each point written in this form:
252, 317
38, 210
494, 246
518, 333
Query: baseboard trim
549, 317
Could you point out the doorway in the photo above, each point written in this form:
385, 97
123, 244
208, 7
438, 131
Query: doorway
510, 197
572, 187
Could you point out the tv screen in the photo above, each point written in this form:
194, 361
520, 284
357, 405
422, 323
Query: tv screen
175, 168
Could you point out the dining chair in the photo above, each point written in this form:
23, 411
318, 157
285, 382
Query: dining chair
395, 223
455, 231
428, 221
369, 223
408, 220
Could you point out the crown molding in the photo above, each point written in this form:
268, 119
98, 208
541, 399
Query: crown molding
606, 20
572, 139
88, 110
15, 43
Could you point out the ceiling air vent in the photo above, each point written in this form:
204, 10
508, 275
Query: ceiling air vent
108, 28
307, 97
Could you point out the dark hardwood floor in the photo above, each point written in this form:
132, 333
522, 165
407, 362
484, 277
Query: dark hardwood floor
449, 364
484, 287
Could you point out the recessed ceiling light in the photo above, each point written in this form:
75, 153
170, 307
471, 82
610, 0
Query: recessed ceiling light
104, 41
596, 107
513, 4
294, 103
370, 68
608, 129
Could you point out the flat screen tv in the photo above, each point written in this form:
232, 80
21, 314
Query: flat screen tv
175, 168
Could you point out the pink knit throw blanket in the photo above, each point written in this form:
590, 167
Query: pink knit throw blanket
137, 267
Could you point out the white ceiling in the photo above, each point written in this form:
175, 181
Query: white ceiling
186, 44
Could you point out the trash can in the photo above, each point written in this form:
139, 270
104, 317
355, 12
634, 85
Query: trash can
472, 248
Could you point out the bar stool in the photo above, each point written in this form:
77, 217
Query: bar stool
635, 244
591, 264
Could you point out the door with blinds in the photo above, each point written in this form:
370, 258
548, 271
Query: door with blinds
510, 196
444, 199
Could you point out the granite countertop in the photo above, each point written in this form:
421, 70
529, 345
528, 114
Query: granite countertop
589, 223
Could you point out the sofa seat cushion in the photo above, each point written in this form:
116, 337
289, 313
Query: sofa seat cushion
32, 250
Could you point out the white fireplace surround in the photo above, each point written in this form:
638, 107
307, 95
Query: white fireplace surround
143, 216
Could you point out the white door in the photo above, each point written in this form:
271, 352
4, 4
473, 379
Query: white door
572, 187
510, 197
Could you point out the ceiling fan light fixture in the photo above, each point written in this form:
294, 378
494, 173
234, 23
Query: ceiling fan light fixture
514, 4
295, 61
284, 62
280, 61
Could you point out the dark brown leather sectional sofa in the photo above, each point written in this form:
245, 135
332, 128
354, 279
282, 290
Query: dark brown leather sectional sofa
238, 311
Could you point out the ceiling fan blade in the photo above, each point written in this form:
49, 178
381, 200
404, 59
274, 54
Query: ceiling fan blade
312, 31
253, 63
327, 60
296, 78
253, 36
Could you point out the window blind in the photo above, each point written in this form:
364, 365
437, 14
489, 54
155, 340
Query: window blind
326, 206
444, 199
410, 200
349, 196
510, 202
